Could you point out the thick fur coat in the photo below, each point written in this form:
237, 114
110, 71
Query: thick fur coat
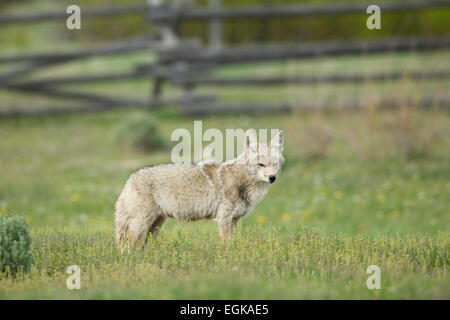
224, 192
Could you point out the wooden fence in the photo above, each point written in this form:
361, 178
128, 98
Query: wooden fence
187, 63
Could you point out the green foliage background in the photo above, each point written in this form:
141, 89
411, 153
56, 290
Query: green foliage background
350, 26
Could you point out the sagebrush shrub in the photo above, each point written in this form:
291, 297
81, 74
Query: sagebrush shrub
139, 131
15, 244
314, 141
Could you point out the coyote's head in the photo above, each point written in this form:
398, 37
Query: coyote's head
263, 160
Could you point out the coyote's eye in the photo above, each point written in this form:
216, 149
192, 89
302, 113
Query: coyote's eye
261, 165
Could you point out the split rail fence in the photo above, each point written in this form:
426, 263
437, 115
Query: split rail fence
188, 63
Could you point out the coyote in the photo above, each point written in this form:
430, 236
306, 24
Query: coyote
224, 192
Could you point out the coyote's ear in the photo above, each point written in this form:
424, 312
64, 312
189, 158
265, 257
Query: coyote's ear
277, 141
250, 142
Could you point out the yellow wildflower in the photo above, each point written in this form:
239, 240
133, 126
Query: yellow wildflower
338, 194
394, 214
260, 219
286, 216
74, 197
306, 215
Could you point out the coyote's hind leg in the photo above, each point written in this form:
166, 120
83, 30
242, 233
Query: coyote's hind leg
140, 226
155, 227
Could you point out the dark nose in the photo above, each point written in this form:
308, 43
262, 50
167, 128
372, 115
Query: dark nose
272, 179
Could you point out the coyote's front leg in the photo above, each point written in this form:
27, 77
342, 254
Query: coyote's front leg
225, 222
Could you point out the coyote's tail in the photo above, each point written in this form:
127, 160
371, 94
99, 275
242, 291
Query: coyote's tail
121, 226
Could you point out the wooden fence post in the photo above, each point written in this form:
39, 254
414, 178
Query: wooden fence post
168, 27
169, 36
215, 27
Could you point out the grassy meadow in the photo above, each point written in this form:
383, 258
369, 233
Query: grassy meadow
370, 187
357, 189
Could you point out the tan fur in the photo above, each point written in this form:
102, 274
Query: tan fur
224, 192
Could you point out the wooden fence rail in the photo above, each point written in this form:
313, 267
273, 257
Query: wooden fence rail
164, 12
143, 43
196, 80
186, 62
292, 10
352, 105
107, 106
260, 53
62, 15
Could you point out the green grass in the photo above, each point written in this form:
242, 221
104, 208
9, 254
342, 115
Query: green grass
362, 188
189, 262
360, 199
